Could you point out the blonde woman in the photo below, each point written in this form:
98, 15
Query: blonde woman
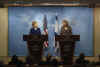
35, 30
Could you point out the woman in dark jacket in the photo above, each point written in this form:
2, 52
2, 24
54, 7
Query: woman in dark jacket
35, 30
66, 29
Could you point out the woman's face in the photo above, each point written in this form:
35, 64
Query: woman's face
35, 25
65, 24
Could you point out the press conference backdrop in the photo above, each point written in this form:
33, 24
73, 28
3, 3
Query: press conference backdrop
20, 21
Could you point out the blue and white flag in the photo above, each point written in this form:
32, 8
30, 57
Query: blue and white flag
57, 50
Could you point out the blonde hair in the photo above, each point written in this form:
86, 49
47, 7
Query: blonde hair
34, 22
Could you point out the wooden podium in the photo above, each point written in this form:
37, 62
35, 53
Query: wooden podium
35, 46
67, 45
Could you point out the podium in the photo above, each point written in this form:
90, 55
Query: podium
67, 46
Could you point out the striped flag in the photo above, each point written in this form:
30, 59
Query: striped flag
45, 30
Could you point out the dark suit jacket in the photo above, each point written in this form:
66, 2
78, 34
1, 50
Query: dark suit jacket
35, 32
66, 32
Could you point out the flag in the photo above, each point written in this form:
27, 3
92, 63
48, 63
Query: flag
56, 26
57, 32
45, 30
